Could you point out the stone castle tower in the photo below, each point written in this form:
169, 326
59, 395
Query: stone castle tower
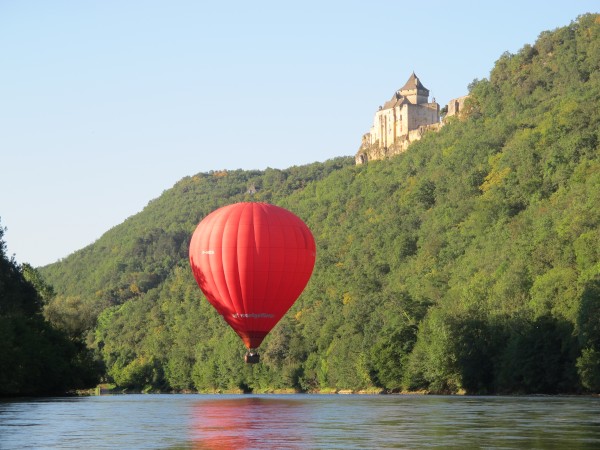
402, 119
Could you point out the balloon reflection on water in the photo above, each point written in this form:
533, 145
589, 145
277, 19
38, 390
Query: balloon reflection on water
249, 423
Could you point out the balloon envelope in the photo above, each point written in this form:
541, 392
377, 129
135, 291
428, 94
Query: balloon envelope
252, 261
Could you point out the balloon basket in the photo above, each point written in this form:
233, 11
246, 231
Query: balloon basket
252, 357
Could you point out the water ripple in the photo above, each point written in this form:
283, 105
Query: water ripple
300, 422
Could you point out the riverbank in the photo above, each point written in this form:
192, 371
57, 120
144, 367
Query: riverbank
111, 389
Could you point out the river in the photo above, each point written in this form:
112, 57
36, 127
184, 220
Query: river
299, 422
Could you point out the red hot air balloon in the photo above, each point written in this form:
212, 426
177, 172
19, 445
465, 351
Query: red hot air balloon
252, 261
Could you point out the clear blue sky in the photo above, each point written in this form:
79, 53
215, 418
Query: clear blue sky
106, 104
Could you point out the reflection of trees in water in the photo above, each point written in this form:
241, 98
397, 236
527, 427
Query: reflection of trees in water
250, 422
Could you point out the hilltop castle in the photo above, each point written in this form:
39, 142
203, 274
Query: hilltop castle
401, 120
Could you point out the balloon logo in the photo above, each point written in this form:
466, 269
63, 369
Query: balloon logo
252, 261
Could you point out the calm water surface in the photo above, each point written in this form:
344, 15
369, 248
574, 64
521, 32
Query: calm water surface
299, 422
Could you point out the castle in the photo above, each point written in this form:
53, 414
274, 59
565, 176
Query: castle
401, 120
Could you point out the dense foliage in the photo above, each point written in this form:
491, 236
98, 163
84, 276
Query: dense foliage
35, 358
470, 263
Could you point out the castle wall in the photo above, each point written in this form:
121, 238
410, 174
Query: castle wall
386, 129
456, 105
394, 123
415, 97
419, 115
405, 118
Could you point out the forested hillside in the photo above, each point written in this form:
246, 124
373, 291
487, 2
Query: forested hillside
35, 357
470, 263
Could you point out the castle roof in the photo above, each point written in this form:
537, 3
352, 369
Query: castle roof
414, 83
396, 100
399, 97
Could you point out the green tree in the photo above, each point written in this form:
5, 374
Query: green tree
35, 358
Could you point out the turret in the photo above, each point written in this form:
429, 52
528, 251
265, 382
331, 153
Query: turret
414, 91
